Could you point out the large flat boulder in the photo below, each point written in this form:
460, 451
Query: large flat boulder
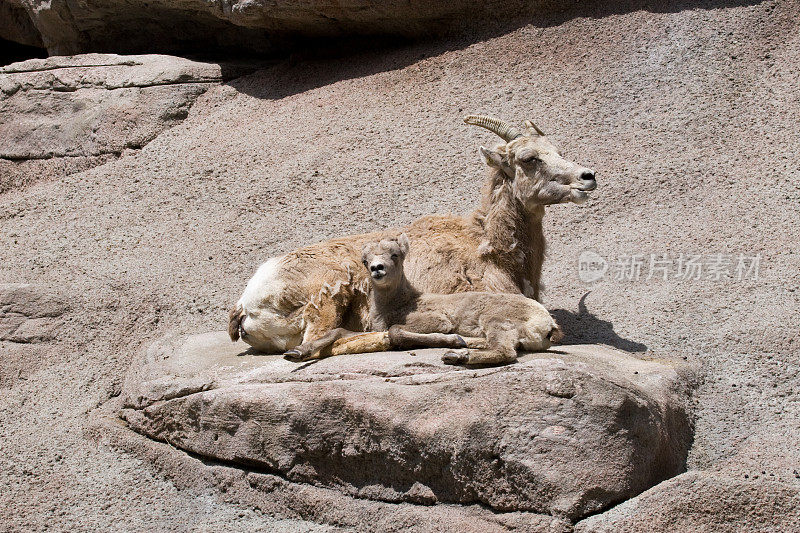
66, 114
567, 432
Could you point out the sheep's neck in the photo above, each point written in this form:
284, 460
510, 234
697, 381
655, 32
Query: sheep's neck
390, 305
511, 233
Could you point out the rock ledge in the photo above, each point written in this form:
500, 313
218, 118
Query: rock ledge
567, 432
63, 115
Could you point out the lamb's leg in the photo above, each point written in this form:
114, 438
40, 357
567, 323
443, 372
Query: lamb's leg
425, 329
501, 342
404, 337
307, 349
376, 341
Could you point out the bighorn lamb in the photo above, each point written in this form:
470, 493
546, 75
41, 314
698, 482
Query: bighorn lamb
502, 323
298, 297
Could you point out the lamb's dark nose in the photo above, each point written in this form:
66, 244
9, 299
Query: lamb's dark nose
377, 267
589, 181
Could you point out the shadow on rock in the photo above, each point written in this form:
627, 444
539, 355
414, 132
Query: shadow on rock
319, 61
584, 327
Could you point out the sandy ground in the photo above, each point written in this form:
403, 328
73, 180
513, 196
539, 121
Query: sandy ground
689, 115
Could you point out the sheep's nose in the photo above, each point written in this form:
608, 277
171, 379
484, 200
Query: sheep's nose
555, 335
589, 181
377, 267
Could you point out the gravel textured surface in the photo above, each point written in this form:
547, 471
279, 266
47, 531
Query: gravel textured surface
689, 114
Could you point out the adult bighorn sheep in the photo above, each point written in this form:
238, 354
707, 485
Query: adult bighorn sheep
298, 297
496, 324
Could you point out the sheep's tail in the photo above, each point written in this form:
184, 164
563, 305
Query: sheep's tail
235, 322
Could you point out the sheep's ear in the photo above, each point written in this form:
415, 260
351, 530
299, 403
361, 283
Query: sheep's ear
365, 250
492, 158
402, 240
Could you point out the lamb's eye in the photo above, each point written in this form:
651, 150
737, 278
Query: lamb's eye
364, 262
529, 158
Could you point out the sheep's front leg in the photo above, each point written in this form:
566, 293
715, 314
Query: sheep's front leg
322, 317
307, 349
501, 348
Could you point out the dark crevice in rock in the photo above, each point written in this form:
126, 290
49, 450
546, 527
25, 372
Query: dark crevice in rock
45, 157
11, 52
19, 341
11, 70
609, 506
247, 467
115, 88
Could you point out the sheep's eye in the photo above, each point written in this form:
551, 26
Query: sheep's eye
364, 262
530, 158
394, 256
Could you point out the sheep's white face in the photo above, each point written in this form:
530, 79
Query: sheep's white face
539, 174
384, 260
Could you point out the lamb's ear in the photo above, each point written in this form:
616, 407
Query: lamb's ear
492, 158
402, 240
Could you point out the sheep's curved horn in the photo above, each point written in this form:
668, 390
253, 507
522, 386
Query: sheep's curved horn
531, 125
505, 130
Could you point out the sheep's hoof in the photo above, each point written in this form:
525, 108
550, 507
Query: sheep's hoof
455, 358
293, 355
461, 342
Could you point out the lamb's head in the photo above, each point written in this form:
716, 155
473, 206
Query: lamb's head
538, 173
384, 260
